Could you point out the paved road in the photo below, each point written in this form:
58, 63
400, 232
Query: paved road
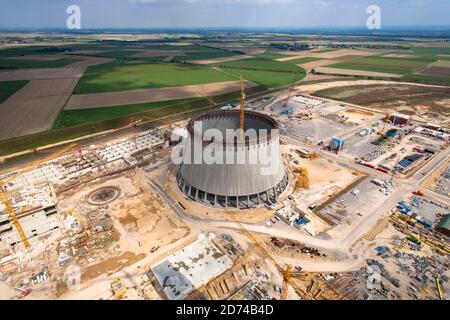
339, 246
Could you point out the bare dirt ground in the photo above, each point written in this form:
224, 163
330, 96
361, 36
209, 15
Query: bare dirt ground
37, 74
98, 100
319, 77
318, 63
73, 70
34, 108
349, 72
145, 222
423, 102
356, 115
399, 55
436, 71
296, 55
142, 221
342, 53
311, 88
219, 60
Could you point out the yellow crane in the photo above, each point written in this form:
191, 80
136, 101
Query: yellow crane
287, 272
242, 114
211, 102
4, 198
438, 287
382, 131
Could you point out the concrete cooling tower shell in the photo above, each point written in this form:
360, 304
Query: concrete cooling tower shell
249, 171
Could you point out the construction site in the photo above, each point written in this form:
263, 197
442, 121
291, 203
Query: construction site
355, 206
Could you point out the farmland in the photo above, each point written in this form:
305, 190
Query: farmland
268, 79
117, 76
71, 118
113, 79
8, 88
203, 55
18, 64
384, 64
264, 71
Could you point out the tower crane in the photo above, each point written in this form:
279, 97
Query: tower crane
242, 114
286, 273
382, 131
211, 102
286, 101
4, 198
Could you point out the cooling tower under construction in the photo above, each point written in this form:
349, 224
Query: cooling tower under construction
244, 170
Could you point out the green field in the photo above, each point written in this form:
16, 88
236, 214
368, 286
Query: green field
118, 76
8, 88
204, 55
431, 50
270, 55
303, 60
401, 66
264, 71
116, 54
71, 118
445, 81
261, 64
268, 79
19, 63
183, 47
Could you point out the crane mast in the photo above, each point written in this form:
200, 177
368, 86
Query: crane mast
286, 273
4, 198
242, 114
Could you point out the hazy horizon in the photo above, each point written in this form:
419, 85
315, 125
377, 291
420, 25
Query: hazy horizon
217, 14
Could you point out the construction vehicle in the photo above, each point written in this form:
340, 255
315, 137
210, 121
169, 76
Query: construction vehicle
438, 288
24, 292
4, 198
313, 156
286, 273
118, 289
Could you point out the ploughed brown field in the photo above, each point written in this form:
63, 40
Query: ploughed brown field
109, 99
436, 71
35, 107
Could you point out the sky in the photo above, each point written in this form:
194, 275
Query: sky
39, 14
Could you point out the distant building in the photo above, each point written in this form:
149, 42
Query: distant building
444, 226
